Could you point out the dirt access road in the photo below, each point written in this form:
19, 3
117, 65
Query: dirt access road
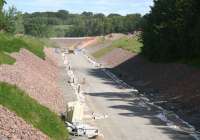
125, 117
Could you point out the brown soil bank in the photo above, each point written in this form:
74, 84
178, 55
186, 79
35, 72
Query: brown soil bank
39, 78
173, 86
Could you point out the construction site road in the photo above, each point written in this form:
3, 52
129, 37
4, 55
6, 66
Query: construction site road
120, 115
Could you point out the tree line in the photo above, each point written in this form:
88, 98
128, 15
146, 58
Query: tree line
171, 31
62, 23
7, 18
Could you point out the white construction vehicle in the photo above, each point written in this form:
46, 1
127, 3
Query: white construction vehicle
74, 121
78, 129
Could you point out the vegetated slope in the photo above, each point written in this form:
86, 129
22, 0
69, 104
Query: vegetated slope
101, 42
14, 127
32, 112
30, 72
130, 43
6, 59
37, 77
112, 52
177, 86
10, 44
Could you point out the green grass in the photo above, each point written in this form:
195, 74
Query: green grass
34, 45
32, 112
102, 52
131, 44
6, 59
10, 44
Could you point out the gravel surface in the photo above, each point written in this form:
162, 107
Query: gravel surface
39, 78
14, 128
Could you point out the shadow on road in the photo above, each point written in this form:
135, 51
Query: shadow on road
175, 87
99, 73
135, 107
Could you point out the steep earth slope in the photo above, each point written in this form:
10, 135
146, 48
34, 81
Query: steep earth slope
37, 77
173, 86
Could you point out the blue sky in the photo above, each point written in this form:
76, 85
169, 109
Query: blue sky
78, 6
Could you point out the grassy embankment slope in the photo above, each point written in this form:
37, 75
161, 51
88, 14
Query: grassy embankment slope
134, 45
131, 44
16, 100
10, 44
32, 112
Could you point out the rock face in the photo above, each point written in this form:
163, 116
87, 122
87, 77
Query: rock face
14, 128
37, 77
